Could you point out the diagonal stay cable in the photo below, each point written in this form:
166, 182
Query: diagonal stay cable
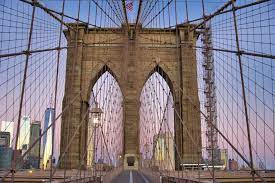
115, 12
125, 13
188, 133
47, 10
96, 3
178, 115
149, 11
156, 15
223, 136
71, 141
118, 10
166, 106
143, 10
85, 153
138, 14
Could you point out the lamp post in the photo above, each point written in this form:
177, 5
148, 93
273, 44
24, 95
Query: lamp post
119, 160
146, 148
95, 117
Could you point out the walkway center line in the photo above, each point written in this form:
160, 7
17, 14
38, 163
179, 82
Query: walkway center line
131, 177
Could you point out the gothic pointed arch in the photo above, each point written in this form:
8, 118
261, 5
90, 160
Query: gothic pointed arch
105, 68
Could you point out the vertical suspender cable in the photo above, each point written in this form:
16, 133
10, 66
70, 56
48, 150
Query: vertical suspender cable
125, 13
27, 52
186, 9
243, 90
181, 81
56, 87
138, 14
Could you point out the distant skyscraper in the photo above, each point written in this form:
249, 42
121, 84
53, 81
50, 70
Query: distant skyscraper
34, 155
47, 138
164, 151
159, 145
35, 132
24, 133
224, 157
8, 126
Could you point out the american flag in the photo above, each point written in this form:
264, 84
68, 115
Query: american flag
129, 5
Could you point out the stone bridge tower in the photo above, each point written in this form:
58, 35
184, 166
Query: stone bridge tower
131, 57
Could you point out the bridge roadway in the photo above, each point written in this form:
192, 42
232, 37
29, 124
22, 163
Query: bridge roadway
131, 176
38, 176
127, 176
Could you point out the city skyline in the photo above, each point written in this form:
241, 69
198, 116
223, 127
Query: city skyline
186, 83
29, 131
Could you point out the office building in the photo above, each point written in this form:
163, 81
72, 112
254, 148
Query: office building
47, 138
24, 133
35, 132
34, 155
4, 139
224, 158
5, 157
164, 151
8, 126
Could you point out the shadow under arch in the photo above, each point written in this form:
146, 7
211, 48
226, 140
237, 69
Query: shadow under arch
164, 75
103, 70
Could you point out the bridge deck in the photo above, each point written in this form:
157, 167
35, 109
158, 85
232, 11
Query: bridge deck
131, 176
